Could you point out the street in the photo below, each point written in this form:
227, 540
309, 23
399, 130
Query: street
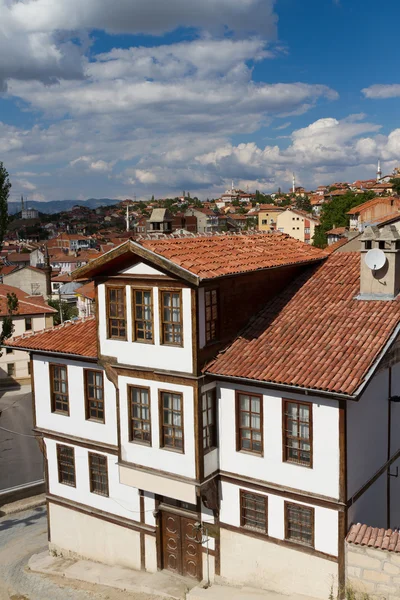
20, 458
24, 534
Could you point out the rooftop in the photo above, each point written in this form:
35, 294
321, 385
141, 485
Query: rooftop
392, 200
72, 337
315, 334
27, 305
374, 537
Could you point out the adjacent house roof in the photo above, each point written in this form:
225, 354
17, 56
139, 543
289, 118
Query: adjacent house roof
72, 337
27, 305
315, 334
374, 537
337, 231
392, 200
87, 290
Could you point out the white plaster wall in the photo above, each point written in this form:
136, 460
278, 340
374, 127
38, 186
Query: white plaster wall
150, 551
123, 500
154, 456
142, 269
257, 563
73, 533
367, 433
326, 520
18, 357
148, 355
75, 424
322, 479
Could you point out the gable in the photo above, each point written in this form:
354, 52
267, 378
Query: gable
141, 268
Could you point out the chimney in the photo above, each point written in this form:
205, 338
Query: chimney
47, 270
380, 263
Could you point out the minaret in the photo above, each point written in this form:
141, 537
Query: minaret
294, 184
127, 217
22, 203
379, 171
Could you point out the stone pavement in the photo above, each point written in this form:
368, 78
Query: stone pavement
224, 592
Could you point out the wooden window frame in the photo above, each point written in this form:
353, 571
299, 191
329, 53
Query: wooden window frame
92, 455
171, 291
88, 400
243, 524
131, 417
208, 322
110, 288
59, 448
13, 369
52, 392
239, 447
162, 425
287, 506
134, 320
284, 434
213, 436
31, 323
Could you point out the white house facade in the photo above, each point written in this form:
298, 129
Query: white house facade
174, 443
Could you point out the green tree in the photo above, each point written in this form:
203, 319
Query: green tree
303, 203
68, 311
395, 181
319, 238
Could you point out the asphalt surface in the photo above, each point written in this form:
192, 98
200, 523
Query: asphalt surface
20, 458
24, 534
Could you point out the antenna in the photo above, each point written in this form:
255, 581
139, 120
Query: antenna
375, 259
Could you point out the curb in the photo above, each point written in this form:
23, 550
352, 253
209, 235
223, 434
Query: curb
21, 505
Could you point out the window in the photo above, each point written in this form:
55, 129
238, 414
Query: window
29, 368
142, 315
98, 474
211, 301
59, 389
9, 350
249, 423
209, 412
297, 438
116, 313
28, 324
171, 303
139, 410
306, 230
368, 245
11, 369
253, 511
94, 395
299, 524
172, 421
264, 222
66, 465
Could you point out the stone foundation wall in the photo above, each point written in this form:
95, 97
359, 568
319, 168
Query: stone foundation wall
375, 572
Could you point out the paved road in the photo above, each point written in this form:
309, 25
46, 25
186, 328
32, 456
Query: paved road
24, 534
20, 458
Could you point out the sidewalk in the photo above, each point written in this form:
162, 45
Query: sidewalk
225, 592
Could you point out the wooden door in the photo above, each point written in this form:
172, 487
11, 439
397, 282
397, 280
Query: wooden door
181, 550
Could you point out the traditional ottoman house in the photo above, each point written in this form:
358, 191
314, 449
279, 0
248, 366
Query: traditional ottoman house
233, 391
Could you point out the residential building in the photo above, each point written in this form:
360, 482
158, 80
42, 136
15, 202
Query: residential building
29, 213
160, 221
33, 314
335, 234
207, 220
29, 279
298, 224
267, 217
19, 259
164, 428
366, 213
86, 300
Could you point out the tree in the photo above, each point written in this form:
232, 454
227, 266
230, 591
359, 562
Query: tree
12, 300
68, 311
303, 203
319, 238
395, 181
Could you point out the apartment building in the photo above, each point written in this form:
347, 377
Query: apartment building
164, 428
298, 224
267, 217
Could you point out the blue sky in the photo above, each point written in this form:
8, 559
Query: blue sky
150, 97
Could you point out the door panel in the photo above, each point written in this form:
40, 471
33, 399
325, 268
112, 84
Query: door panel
191, 549
181, 550
172, 544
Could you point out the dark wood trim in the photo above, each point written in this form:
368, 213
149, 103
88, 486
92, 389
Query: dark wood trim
102, 515
130, 416
287, 505
389, 449
48, 520
77, 441
108, 288
158, 472
286, 544
86, 395
217, 561
239, 448
58, 355
195, 331
135, 280
154, 375
198, 434
161, 292
90, 456
242, 494
33, 389
284, 445
142, 538
141, 288
342, 452
161, 421
52, 366
210, 551
372, 480
215, 441
158, 532
209, 290
58, 452
342, 532
285, 492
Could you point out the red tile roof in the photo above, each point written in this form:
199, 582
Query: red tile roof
27, 305
215, 256
374, 537
337, 231
6, 270
333, 247
370, 203
315, 334
73, 337
87, 290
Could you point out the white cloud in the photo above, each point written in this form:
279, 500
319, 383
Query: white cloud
379, 91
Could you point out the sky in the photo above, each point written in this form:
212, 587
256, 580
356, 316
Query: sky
134, 98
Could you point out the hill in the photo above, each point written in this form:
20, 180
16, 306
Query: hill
55, 206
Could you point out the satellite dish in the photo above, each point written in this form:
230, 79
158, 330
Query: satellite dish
375, 259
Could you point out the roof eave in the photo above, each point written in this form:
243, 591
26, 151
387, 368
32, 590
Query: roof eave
53, 353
